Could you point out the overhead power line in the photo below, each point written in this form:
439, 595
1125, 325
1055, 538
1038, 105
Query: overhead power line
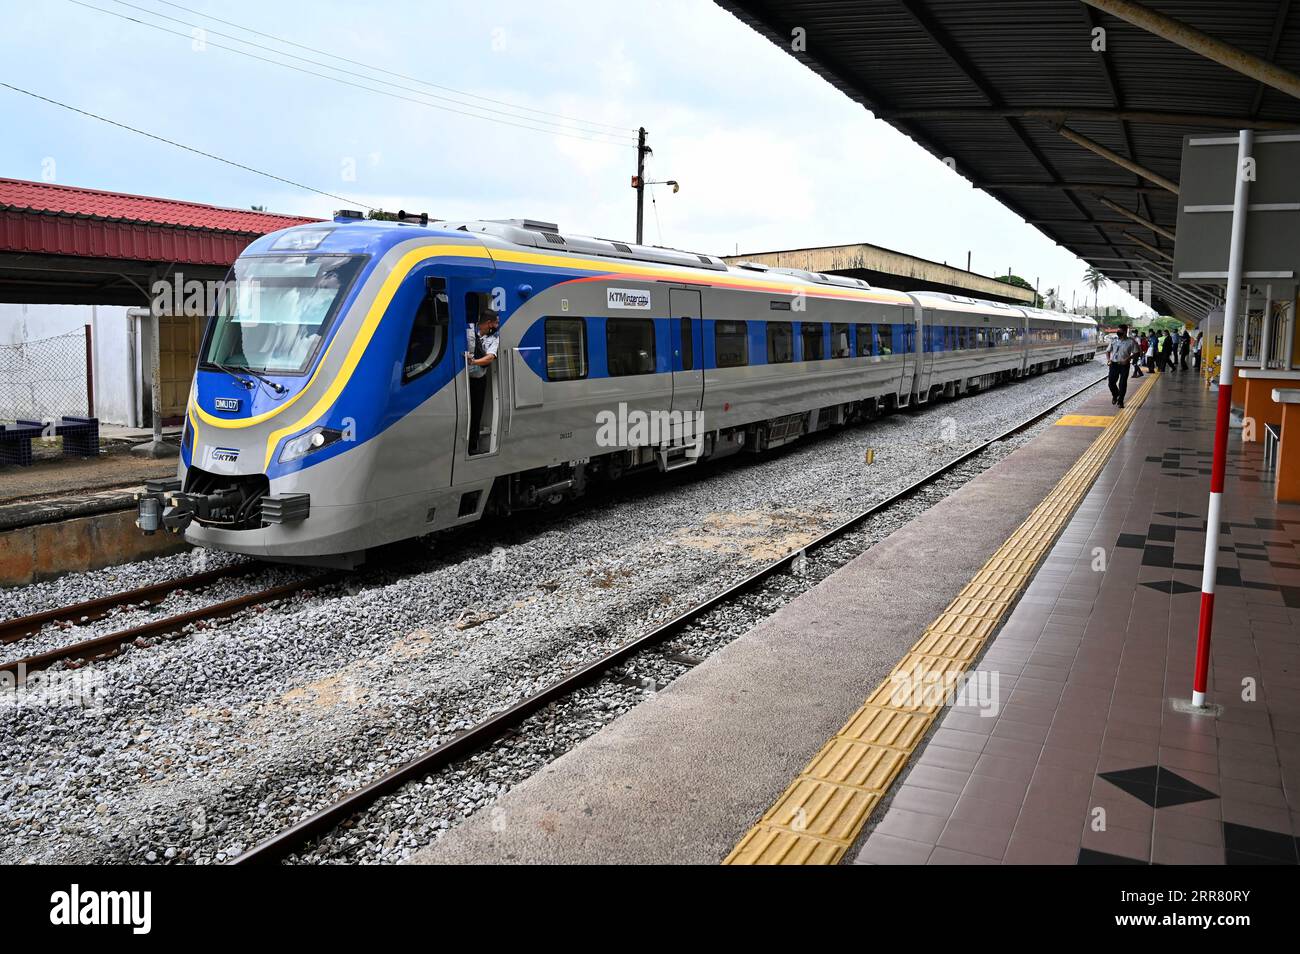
179, 145
370, 79
380, 69
569, 134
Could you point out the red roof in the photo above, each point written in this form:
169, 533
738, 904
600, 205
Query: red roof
52, 199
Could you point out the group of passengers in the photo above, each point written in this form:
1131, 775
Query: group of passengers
1167, 351
1160, 351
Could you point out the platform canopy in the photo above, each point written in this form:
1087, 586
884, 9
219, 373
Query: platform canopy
65, 245
1071, 113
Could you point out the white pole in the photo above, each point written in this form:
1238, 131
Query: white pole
1265, 326
1236, 252
1245, 325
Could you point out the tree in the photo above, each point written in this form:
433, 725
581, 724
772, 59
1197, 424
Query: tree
1016, 280
1094, 279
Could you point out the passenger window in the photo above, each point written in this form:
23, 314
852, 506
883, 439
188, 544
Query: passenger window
566, 349
428, 341
688, 346
840, 341
731, 343
864, 340
811, 334
630, 346
780, 342
884, 339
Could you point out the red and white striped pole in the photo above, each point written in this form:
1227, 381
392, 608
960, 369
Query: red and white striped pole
1236, 252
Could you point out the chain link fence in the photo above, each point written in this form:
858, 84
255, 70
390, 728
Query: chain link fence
44, 379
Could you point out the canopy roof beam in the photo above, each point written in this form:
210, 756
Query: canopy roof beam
1123, 162
1189, 38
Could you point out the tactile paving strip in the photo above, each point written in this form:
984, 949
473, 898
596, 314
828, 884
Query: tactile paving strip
823, 811
1086, 420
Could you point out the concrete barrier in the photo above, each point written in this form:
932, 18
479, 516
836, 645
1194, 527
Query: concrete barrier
48, 550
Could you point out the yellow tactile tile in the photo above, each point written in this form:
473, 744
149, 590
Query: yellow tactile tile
899, 730
769, 845
822, 809
847, 762
944, 644
822, 812
1086, 420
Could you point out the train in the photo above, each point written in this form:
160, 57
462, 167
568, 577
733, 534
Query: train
330, 408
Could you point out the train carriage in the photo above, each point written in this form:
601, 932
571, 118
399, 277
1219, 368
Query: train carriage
330, 408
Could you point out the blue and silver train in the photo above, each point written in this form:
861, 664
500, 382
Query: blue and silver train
329, 412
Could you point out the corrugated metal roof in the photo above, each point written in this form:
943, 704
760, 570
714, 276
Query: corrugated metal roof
54, 199
955, 76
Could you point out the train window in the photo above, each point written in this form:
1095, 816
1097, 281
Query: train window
864, 340
884, 339
428, 341
566, 349
810, 333
731, 343
780, 342
840, 342
630, 346
688, 345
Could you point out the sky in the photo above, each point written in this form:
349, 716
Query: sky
492, 109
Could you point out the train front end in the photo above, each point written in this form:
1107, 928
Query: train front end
279, 444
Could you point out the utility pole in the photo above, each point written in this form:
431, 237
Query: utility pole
638, 181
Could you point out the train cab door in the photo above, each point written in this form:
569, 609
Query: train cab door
479, 399
924, 349
687, 336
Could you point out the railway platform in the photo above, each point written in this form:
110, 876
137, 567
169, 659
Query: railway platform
1057, 595
66, 515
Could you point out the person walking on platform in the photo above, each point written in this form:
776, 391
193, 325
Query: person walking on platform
1196, 349
1184, 350
1119, 354
1151, 350
1163, 351
1141, 342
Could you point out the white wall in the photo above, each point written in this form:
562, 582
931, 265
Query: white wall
113, 369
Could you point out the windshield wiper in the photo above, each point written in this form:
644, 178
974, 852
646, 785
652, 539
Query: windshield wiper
247, 384
274, 385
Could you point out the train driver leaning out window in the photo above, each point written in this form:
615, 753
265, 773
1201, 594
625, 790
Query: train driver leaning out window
483, 341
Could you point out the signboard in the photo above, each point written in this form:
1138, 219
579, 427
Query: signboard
636, 298
1206, 187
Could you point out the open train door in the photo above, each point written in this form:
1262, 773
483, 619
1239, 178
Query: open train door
686, 329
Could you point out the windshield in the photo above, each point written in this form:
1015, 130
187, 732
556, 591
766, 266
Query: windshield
274, 314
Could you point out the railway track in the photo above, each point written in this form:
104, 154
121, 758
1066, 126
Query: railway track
12, 630
107, 645
285, 843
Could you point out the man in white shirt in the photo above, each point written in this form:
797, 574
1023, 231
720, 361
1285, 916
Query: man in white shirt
483, 342
1119, 353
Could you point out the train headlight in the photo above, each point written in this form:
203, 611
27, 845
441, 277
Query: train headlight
309, 442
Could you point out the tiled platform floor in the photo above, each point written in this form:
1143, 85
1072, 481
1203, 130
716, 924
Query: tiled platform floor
1085, 759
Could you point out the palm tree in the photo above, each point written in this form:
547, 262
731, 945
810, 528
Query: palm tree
1094, 279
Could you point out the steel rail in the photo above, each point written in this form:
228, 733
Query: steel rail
108, 644
279, 846
12, 630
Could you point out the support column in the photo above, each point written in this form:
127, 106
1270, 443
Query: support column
156, 447
1236, 253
